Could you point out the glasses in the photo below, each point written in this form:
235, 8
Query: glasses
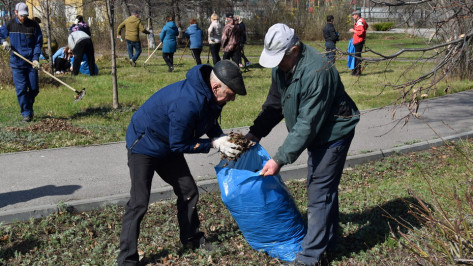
24, 16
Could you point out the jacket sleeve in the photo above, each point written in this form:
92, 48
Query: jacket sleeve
209, 32
187, 33
181, 131
38, 35
162, 34
313, 110
270, 115
120, 27
359, 28
141, 28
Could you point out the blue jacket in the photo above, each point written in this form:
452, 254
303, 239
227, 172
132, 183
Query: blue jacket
194, 33
168, 37
25, 39
174, 119
59, 53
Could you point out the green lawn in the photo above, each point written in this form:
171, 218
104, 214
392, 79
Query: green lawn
372, 196
93, 120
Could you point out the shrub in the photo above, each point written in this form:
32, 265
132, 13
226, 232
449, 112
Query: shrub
447, 234
383, 26
5, 71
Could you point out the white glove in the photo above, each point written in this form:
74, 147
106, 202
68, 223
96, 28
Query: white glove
36, 64
6, 46
231, 150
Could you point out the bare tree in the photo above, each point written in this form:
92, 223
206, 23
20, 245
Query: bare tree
110, 4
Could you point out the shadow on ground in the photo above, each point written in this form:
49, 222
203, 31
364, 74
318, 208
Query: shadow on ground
14, 197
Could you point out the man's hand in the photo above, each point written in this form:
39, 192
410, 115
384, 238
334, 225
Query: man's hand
6, 46
270, 168
223, 145
352, 30
36, 65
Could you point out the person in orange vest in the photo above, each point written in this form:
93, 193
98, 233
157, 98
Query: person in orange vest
359, 36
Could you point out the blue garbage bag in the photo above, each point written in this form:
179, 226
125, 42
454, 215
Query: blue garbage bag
351, 59
262, 207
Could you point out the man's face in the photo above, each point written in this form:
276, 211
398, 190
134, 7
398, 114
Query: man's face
21, 18
223, 94
289, 60
355, 17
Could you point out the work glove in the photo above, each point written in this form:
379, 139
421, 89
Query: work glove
36, 65
6, 46
229, 149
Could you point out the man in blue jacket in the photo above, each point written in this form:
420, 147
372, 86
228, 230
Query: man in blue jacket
170, 123
26, 39
307, 91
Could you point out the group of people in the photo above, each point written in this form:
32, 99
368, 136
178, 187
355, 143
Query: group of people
320, 117
331, 37
25, 47
230, 39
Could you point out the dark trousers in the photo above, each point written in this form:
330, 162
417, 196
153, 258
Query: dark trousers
133, 45
358, 49
330, 49
196, 55
234, 55
242, 54
214, 50
26, 87
174, 171
61, 64
168, 58
83, 47
325, 168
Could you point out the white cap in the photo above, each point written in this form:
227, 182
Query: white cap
277, 41
22, 9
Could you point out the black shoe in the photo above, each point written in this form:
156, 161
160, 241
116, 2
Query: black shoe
132, 63
199, 242
171, 69
27, 119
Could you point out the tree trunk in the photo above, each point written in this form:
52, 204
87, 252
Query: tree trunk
48, 33
177, 16
111, 21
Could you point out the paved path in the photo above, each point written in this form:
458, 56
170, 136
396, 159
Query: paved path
34, 182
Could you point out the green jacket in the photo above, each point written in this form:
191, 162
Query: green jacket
314, 103
133, 28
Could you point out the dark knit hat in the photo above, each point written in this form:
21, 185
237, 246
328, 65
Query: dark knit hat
229, 73
229, 15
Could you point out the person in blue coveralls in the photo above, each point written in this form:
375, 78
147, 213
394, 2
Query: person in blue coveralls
168, 125
194, 34
307, 91
26, 39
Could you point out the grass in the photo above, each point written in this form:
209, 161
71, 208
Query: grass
95, 115
368, 193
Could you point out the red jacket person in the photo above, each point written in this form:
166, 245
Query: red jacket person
359, 36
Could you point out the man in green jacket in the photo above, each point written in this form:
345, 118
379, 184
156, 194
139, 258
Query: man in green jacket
133, 28
307, 91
